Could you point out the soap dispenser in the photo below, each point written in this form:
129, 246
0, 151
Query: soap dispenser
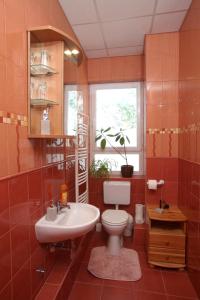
45, 122
51, 214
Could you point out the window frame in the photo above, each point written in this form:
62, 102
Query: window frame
68, 88
140, 123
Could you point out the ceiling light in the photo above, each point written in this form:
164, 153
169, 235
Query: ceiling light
68, 52
75, 51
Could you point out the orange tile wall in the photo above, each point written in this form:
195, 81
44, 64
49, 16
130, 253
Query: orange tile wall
16, 17
189, 138
116, 69
161, 74
31, 171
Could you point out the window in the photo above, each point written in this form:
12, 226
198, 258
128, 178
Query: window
118, 106
70, 107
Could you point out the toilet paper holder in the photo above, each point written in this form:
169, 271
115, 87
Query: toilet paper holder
158, 182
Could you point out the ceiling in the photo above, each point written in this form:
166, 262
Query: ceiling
117, 27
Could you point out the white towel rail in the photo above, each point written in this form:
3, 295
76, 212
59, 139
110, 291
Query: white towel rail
81, 158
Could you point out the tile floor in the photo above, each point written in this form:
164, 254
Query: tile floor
155, 284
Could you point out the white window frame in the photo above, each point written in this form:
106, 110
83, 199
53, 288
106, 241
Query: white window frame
68, 88
140, 122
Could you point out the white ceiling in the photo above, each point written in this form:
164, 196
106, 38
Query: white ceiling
117, 27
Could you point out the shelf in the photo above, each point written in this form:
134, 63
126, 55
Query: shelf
46, 34
42, 102
166, 264
38, 70
50, 136
173, 214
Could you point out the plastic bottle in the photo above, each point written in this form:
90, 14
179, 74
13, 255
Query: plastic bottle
63, 194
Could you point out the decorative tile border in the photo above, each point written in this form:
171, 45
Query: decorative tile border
163, 131
14, 119
189, 128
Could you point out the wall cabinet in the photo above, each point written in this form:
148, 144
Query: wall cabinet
166, 237
48, 48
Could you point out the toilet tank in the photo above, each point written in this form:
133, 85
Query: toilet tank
117, 192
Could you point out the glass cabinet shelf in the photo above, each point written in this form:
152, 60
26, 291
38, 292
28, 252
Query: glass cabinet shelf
37, 70
42, 102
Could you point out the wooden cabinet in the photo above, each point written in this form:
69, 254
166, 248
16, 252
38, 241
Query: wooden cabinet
166, 237
48, 48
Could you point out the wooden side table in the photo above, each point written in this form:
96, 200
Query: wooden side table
166, 237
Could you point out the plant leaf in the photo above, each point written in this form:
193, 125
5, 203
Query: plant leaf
117, 138
122, 141
98, 138
128, 139
111, 135
107, 129
103, 144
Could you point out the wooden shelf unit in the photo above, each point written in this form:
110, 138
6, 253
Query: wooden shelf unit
55, 42
166, 237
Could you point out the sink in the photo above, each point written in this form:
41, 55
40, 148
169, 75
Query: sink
69, 224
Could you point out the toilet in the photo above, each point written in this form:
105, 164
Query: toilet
115, 220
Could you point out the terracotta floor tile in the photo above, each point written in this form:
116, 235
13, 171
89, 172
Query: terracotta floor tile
57, 274
178, 284
47, 292
128, 242
84, 276
116, 283
81, 291
86, 256
151, 281
114, 293
99, 239
141, 295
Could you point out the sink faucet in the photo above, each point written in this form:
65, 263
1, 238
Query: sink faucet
60, 206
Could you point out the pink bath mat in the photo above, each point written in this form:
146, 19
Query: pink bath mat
125, 266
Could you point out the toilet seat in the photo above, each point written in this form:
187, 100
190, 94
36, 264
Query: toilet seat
114, 217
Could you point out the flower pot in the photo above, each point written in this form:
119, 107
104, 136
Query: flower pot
127, 171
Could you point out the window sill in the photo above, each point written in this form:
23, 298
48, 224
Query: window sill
119, 177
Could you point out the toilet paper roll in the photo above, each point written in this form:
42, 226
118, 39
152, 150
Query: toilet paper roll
152, 184
139, 213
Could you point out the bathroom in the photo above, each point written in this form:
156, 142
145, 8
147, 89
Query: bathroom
33, 168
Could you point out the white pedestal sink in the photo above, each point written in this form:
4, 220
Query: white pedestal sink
71, 223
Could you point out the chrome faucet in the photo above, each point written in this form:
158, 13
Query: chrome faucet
60, 206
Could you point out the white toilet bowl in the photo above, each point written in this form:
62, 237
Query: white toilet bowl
114, 222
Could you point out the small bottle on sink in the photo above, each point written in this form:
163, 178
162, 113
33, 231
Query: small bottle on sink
63, 195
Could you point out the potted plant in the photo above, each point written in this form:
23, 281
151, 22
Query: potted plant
100, 168
104, 136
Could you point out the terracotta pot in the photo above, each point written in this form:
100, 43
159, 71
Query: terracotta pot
127, 171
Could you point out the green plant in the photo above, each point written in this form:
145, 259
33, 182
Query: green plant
100, 168
104, 136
